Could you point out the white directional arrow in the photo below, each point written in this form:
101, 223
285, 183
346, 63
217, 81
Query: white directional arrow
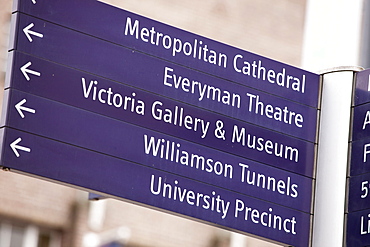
15, 147
28, 32
27, 71
20, 108
34, 1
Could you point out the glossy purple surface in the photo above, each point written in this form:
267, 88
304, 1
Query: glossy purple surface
94, 171
126, 141
109, 23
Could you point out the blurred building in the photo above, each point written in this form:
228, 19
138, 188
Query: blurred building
35, 213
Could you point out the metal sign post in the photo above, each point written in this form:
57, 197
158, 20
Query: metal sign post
330, 193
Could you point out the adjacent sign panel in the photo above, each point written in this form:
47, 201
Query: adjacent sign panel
362, 91
358, 233
176, 121
360, 159
360, 141
172, 44
359, 193
358, 228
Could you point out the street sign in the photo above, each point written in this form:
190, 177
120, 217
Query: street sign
140, 70
151, 37
68, 164
101, 134
360, 156
360, 138
134, 109
359, 193
360, 144
362, 90
361, 122
167, 116
358, 228
358, 202
244, 103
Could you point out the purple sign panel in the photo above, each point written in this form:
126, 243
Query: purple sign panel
358, 218
358, 228
50, 159
362, 91
360, 145
140, 145
360, 157
361, 122
219, 96
167, 116
359, 193
139, 70
133, 31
